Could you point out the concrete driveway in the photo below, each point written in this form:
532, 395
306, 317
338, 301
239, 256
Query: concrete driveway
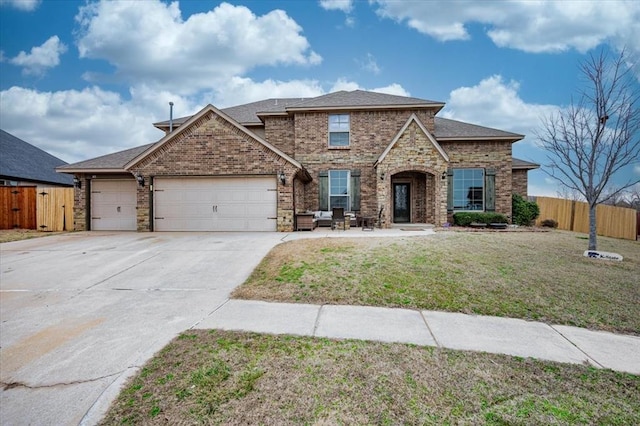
81, 312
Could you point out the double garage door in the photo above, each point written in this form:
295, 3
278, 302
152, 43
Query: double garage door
215, 204
188, 204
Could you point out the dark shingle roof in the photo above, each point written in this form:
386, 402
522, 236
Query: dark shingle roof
521, 164
245, 114
23, 161
248, 113
362, 98
452, 129
117, 160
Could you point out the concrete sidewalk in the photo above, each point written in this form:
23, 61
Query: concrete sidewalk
448, 330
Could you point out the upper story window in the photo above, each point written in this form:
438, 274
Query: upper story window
339, 130
468, 189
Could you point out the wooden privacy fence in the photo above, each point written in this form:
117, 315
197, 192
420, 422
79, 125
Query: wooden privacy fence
44, 209
17, 207
617, 222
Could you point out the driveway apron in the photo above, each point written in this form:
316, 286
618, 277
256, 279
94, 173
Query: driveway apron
80, 313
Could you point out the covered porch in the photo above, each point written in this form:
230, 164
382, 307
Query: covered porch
414, 197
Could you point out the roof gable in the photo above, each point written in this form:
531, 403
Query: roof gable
22, 161
413, 119
194, 121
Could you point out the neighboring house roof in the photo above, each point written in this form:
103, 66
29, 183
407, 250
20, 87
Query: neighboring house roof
523, 165
22, 161
446, 129
413, 118
107, 163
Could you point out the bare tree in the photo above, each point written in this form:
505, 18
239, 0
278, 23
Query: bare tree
634, 197
569, 193
596, 136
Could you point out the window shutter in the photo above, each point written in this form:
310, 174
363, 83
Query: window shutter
355, 190
323, 190
490, 190
450, 189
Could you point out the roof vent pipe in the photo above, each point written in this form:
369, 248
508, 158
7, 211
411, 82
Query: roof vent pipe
170, 117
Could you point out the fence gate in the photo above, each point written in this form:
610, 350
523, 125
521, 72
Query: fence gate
54, 209
17, 207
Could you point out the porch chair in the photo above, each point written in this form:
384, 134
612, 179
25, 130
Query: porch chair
337, 217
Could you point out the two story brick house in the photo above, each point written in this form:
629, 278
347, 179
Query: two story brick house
254, 166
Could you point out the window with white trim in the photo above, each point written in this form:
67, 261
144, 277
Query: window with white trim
468, 189
339, 189
339, 130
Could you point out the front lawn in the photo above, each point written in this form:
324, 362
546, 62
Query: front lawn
217, 377
540, 276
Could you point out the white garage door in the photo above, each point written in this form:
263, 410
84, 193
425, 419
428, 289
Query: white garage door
215, 204
113, 205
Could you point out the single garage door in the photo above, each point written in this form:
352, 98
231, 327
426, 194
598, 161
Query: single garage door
215, 204
113, 205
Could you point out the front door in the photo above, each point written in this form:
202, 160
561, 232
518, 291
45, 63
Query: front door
401, 203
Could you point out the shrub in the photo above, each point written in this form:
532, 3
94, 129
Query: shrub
465, 218
524, 212
549, 223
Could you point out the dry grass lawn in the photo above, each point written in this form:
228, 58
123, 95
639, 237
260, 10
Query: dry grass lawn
8, 235
217, 377
540, 276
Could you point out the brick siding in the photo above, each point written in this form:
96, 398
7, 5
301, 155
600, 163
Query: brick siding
486, 154
214, 147
520, 182
370, 133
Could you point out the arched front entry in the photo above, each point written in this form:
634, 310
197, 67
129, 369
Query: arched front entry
413, 197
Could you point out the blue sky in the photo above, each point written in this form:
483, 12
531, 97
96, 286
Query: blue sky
85, 78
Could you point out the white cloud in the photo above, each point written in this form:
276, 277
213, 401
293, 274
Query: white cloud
41, 57
25, 5
495, 103
78, 124
370, 64
392, 89
541, 26
636, 169
344, 5
146, 41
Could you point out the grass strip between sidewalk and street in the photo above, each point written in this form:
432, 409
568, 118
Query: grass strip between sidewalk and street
232, 378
